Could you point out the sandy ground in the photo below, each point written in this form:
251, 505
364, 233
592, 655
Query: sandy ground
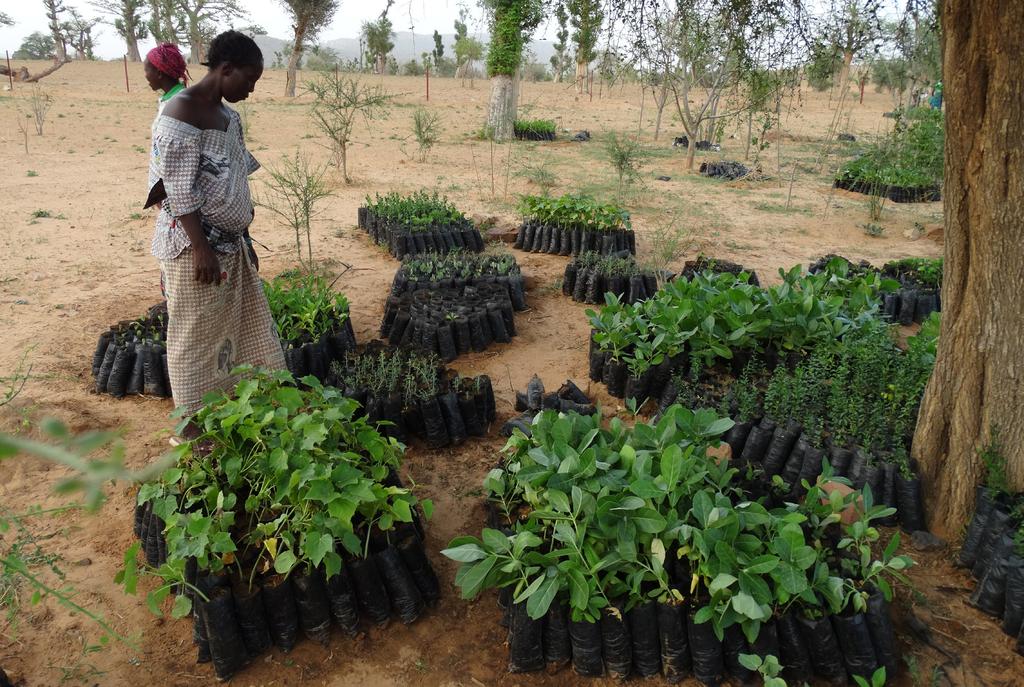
75, 258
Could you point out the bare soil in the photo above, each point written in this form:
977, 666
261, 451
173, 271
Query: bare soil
75, 247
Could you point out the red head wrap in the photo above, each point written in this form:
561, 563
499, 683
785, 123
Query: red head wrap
167, 59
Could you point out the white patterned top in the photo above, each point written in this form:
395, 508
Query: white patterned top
204, 170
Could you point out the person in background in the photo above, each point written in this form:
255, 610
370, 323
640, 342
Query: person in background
165, 71
218, 317
936, 101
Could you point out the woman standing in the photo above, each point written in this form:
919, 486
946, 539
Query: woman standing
165, 71
218, 315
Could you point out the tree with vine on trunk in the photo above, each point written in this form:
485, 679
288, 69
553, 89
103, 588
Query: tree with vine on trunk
54, 12
309, 17
512, 24
378, 35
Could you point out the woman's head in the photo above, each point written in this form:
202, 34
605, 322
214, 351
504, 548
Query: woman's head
238, 62
165, 67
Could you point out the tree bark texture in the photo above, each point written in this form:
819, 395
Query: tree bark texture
293, 60
977, 382
501, 112
133, 49
582, 69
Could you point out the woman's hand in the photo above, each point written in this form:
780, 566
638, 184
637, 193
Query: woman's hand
206, 265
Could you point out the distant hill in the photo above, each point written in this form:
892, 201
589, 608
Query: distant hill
408, 46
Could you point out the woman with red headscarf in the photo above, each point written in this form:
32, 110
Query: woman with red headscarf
165, 71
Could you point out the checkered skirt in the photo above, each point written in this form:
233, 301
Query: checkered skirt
214, 328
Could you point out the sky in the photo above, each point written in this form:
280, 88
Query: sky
424, 15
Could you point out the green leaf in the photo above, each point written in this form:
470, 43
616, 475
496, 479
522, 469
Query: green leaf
465, 553
539, 603
750, 661
473, 581
182, 606
428, 508
284, 562
721, 581
647, 520
747, 606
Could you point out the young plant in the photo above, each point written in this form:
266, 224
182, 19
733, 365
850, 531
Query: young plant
295, 187
426, 128
339, 101
626, 155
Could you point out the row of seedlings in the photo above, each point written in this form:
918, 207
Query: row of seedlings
993, 547
417, 224
723, 319
853, 406
574, 224
534, 129
590, 275
450, 321
568, 399
912, 290
313, 322
131, 357
265, 531
459, 269
703, 263
633, 550
414, 394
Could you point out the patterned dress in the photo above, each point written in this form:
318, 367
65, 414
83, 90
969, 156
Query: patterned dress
211, 328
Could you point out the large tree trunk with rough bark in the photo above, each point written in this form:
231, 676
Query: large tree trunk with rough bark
293, 61
501, 112
581, 75
978, 383
132, 44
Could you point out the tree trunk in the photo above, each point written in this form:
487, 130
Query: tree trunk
750, 126
25, 77
132, 44
501, 111
844, 74
660, 102
581, 75
293, 61
977, 382
195, 39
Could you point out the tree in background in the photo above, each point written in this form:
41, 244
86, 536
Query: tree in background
377, 36
586, 17
438, 52
127, 19
309, 17
54, 11
512, 24
843, 29
5, 19
77, 32
976, 387
201, 17
166, 21
36, 46
560, 60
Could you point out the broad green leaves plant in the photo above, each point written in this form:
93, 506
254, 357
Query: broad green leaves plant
592, 514
575, 211
287, 478
304, 307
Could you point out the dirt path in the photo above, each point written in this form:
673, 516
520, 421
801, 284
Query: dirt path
66, 276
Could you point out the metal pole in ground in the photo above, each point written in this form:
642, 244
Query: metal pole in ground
428, 84
10, 72
126, 88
